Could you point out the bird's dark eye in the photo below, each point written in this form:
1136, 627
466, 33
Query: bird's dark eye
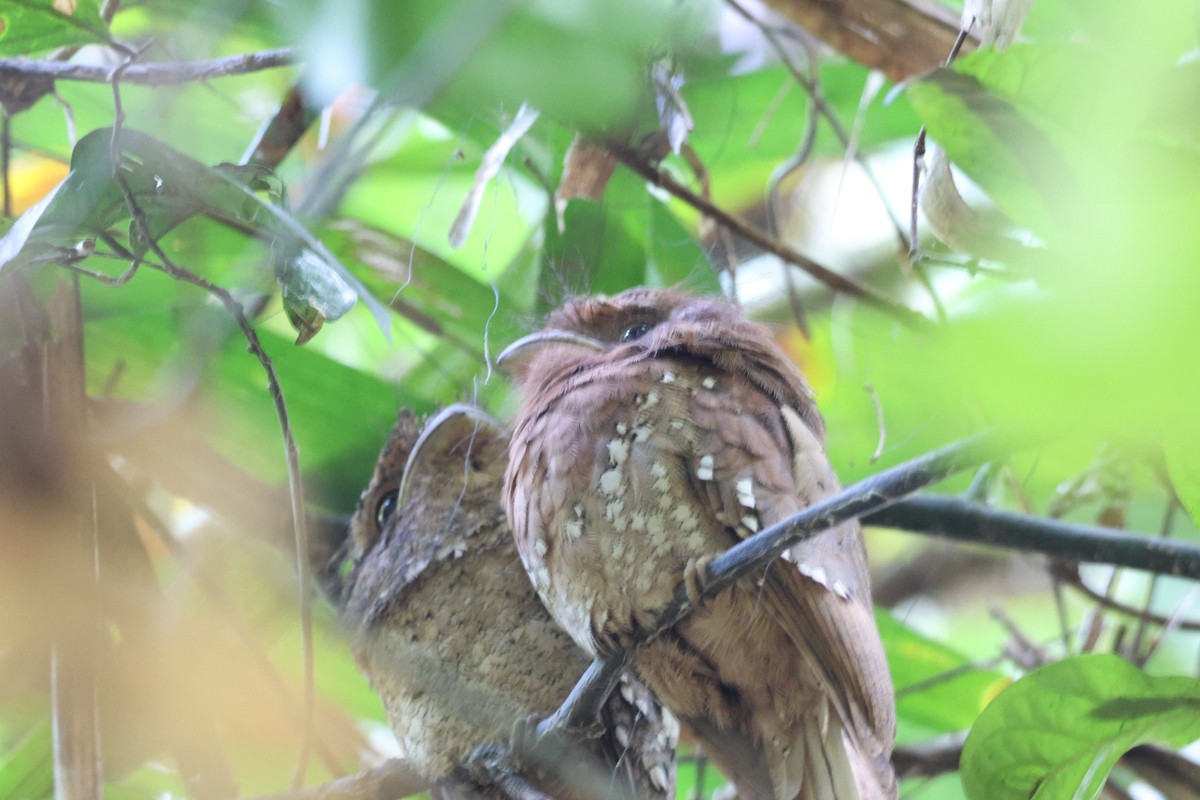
386, 507
635, 332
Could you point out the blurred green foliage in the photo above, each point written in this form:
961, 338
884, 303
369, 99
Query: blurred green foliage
1085, 136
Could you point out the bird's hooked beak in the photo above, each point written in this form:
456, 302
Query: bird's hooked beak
517, 357
451, 426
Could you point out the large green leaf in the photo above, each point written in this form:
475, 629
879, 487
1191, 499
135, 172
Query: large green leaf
30, 26
747, 124
1057, 732
164, 338
1057, 133
1007, 119
581, 60
1084, 150
629, 238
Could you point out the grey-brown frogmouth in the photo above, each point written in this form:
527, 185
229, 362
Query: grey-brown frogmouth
452, 636
656, 431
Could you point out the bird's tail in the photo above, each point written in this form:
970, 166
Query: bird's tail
823, 763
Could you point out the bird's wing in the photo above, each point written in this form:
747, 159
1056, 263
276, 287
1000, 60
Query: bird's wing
758, 463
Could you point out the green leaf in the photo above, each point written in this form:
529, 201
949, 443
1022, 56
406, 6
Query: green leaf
169, 188
935, 686
434, 295
1182, 453
1058, 731
29, 26
1074, 145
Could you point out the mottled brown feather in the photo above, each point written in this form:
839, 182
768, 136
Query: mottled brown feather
632, 459
451, 635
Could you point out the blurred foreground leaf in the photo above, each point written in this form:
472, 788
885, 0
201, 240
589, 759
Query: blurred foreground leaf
577, 60
1075, 145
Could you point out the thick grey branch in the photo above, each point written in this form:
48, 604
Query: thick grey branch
955, 518
152, 74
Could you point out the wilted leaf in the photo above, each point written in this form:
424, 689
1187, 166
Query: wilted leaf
1057, 732
312, 293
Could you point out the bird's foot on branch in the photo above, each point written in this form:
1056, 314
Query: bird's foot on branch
695, 579
491, 765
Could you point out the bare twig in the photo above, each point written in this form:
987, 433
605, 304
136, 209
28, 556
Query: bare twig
833, 280
280, 133
489, 166
74, 654
812, 87
5, 153
1070, 575
880, 423
1139, 635
150, 74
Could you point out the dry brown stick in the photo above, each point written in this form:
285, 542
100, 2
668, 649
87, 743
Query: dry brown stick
836, 281
901, 38
281, 133
74, 655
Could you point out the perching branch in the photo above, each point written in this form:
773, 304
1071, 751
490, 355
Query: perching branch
963, 520
391, 780
580, 710
151, 74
